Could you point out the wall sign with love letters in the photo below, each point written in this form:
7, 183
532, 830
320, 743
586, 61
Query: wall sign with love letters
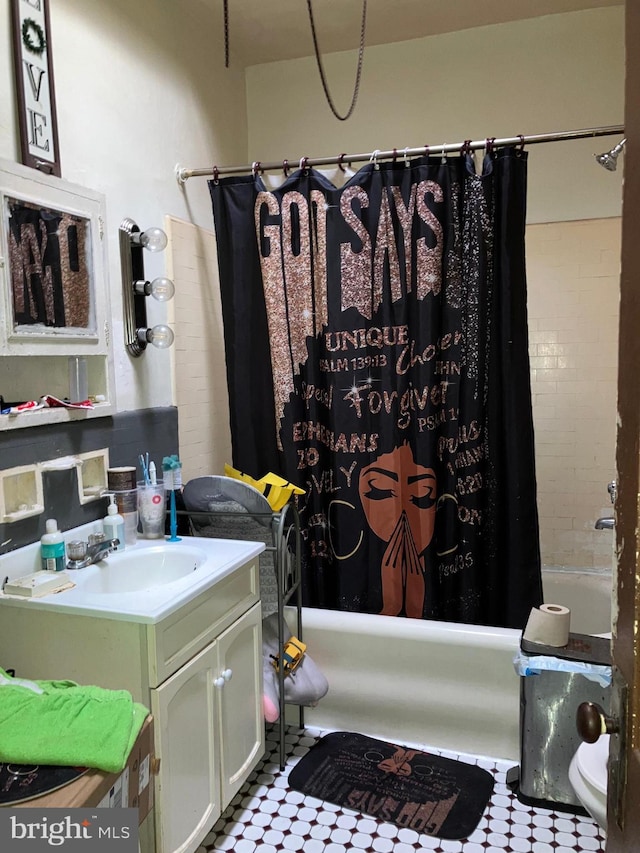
34, 85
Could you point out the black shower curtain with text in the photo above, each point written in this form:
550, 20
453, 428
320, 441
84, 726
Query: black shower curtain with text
377, 356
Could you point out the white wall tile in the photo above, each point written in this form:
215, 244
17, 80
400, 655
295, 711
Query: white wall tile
573, 291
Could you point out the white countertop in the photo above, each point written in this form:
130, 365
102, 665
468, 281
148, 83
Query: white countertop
209, 560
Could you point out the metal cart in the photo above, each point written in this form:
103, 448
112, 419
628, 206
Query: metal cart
225, 508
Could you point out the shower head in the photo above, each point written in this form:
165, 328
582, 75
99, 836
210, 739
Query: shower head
609, 158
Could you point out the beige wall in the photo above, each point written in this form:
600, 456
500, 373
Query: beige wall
553, 73
140, 87
200, 379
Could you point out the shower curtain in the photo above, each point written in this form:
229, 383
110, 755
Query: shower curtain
377, 356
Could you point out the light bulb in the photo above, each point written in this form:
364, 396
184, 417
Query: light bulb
153, 239
160, 336
162, 289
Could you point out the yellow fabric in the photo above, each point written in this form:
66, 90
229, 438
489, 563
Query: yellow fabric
276, 490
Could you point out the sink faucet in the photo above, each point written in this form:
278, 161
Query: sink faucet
82, 554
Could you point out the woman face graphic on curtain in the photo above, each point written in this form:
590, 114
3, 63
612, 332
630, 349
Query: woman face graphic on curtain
399, 501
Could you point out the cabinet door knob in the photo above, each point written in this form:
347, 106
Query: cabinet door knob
592, 722
219, 682
227, 674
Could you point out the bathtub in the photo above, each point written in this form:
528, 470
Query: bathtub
587, 593
440, 684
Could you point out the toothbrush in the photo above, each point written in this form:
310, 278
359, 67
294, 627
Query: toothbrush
173, 519
144, 464
171, 465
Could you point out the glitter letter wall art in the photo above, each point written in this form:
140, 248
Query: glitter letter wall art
53, 288
49, 257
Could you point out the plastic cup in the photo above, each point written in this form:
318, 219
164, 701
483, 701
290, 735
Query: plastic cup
152, 509
127, 503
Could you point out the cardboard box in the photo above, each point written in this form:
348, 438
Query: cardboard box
132, 788
141, 769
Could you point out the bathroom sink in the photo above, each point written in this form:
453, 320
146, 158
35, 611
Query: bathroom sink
144, 583
144, 569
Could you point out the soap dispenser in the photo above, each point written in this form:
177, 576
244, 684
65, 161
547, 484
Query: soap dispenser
113, 523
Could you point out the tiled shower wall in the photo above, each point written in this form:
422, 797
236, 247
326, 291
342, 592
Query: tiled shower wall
573, 300
573, 281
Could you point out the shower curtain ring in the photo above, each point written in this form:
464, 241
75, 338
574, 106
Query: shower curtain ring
406, 161
374, 159
256, 167
303, 163
488, 144
466, 147
521, 149
285, 168
426, 150
340, 159
443, 160
216, 175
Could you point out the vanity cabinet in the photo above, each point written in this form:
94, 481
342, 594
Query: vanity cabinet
210, 733
199, 670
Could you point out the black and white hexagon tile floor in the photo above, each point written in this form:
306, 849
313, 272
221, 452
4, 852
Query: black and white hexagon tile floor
267, 816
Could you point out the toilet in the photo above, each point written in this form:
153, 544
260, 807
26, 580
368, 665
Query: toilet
588, 776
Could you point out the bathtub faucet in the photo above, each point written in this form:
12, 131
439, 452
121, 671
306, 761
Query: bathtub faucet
609, 522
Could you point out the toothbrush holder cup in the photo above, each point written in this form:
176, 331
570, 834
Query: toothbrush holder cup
151, 509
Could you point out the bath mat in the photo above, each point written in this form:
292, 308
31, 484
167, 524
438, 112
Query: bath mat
413, 789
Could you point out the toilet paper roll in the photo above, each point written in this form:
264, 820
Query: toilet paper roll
549, 624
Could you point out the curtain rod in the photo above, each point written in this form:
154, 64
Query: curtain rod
183, 174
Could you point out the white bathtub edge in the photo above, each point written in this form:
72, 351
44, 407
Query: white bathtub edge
444, 685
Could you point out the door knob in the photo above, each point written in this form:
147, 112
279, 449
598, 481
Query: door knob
227, 674
219, 682
591, 722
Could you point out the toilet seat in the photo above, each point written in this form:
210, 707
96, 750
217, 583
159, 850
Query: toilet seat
588, 777
592, 759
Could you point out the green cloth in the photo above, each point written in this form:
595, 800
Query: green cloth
68, 725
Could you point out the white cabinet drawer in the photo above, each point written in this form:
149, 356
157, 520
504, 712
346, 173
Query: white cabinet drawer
176, 639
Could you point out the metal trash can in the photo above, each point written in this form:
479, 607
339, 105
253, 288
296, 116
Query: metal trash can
554, 681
